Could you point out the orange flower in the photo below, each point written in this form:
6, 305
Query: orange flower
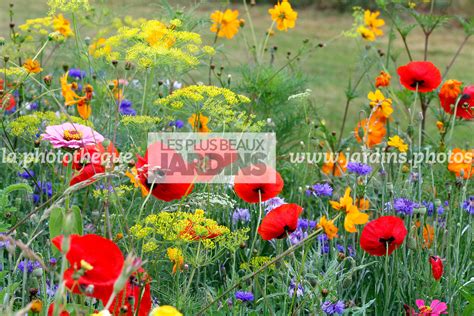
62, 25
371, 131
68, 93
284, 16
199, 123
383, 80
226, 24
428, 234
336, 168
450, 89
176, 256
133, 176
328, 226
84, 109
32, 66
461, 163
353, 215
362, 204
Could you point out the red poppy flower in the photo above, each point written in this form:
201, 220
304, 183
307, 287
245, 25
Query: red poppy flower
385, 231
280, 222
138, 287
95, 260
8, 101
166, 184
465, 108
62, 312
211, 157
421, 75
258, 182
436, 267
91, 160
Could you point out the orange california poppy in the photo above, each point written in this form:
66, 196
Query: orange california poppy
371, 131
336, 168
461, 163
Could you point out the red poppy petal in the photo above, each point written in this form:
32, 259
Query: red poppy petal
280, 221
251, 188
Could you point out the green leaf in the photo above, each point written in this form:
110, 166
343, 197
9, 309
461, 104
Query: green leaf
56, 222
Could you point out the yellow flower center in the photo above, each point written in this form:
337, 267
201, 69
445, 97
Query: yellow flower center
72, 135
86, 265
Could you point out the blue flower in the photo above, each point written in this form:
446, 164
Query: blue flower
333, 308
468, 205
28, 265
178, 123
244, 296
294, 288
319, 189
26, 174
297, 236
305, 224
273, 203
323, 243
404, 206
125, 108
359, 168
429, 207
241, 214
45, 188
76, 73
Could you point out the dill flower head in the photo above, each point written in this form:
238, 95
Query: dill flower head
68, 5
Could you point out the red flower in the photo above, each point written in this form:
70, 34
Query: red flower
62, 312
139, 282
91, 160
167, 166
421, 74
95, 260
465, 108
385, 231
258, 182
436, 267
280, 221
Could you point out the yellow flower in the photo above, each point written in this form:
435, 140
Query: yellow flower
176, 256
284, 16
226, 24
373, 23
133, 176
68, 93
378, 100
329, 228
62, 25
199, 123
397, 142
165, 310
440, 126
32, 66
36, 306
353, 215
366, 33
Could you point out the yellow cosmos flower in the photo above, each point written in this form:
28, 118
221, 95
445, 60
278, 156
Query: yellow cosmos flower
176, 256
398, 143
199, 123
353, 215
372, 21
62, 25
284, 15
226, 24
165, 310
32, 66
378, 101
329, 228
366, 33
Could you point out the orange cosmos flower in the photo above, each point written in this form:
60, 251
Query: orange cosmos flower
68, 93
383, 80
199, 123
176, 256
284, 15
428, 234
371, 131
362, 204
336, 168
461, 163
62, 25
328, 226
32, 66
226, 24
450, 89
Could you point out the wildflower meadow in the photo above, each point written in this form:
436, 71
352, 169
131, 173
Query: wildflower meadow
176, 158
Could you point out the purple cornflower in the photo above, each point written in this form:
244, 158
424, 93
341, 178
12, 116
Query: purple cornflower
351, 251
5, 243
26, 175
340, 248
273, 203
333, 308
125, 108
28, 265
178, 123
241, 214
429, 207
297, 236
42, 188
359, 168
305, 224
319, 189
295, 289
323, 243
468, 205
53, 261
244, 296
76, 73
404, 206
442, 208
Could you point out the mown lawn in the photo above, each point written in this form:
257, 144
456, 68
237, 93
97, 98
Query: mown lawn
328, 70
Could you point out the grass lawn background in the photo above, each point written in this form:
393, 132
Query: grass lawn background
327, 70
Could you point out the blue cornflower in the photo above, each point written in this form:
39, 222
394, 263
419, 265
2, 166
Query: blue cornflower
323, 243
28, 265
53, 261
241, 214
297, 236
340, 248
178, 123
125, 108
429, 207
333, 308
468, 205
305, 224
404, 206
295, 289
40, 189
359, 168
26, 175
244, 296
273, 203
76, 73
319, 189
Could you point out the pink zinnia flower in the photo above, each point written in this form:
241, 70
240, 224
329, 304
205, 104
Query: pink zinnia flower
436, 308
71, 135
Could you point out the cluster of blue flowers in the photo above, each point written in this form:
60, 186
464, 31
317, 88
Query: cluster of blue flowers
404, 206
333, 308
240, 215
319, 190
359, 168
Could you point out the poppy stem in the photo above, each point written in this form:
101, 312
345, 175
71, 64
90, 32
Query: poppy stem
386, 285
258, 222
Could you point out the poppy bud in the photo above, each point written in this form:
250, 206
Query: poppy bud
65, 68
115, 63
243, 245
324, 292
436, 267
12, 25
241, 22
212, 66
6, 58
38, 272
47, 80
